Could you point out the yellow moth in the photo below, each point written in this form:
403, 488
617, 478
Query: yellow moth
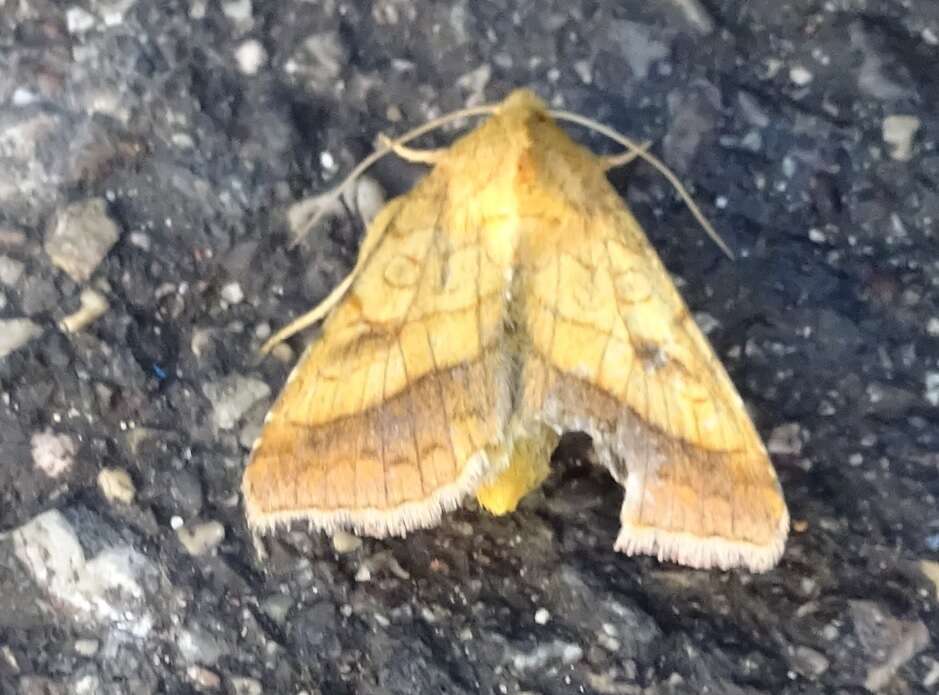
508, 298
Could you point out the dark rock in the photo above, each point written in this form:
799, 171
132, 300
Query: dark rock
184, 492
313, 631
38, 295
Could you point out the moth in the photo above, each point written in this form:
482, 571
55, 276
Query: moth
508, 298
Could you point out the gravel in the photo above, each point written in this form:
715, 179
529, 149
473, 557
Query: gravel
80, 237
15, 333
150, 153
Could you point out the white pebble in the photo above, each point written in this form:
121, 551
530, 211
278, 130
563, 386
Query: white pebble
238, 10
251, 56
542, 616
15, 333
932, 388
800, 76
78, 20
898, 133
86, 647
232, 293
817, 236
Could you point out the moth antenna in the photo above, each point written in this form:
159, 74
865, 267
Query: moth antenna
619, 160
637, 151
410, 154
304, 215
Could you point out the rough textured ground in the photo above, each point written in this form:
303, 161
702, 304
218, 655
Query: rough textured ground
148, 152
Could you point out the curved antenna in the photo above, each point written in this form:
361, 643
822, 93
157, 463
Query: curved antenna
324, 202
636, 150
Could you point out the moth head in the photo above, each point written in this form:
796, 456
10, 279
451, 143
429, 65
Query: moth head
522, 101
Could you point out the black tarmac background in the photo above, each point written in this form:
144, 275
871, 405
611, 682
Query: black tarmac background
148, 153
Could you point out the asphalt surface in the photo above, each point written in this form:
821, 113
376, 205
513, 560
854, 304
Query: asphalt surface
148, 155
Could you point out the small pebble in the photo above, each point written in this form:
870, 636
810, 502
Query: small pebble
809, 662
932, 677
232, 293
38, 295
53, 454
184, 492
887, 642
251, 56
277, 606
10, 270
86, 647
116, 485
232, 397
203, 678
141, 240
542, 616
199, 539
545, 654
15, 333
87, 684
113, 11
10, 659
706, 322
10, 237
238, 10
786, 440
199, 645
817, 236
931, 380
78, 20
344, 542
283, 353
931, 570
80, 236
245, 686
800, 76
898, 133
369, 198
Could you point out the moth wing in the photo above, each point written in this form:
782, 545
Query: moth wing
397, 410
615, 353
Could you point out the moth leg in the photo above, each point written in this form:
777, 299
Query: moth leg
412, 154
611, 161
528, 467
